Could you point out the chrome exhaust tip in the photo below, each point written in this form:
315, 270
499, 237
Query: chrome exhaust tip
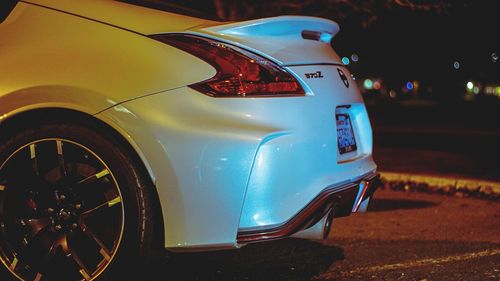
320, 230
328, 223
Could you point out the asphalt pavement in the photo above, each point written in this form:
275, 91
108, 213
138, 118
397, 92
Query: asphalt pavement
416, 236
405, 236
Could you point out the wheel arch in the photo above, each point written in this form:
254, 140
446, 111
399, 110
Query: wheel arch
34, 117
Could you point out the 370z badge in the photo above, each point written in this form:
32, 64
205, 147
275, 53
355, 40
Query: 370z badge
343, 77
316, 74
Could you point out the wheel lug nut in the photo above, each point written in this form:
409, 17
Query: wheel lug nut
74, 226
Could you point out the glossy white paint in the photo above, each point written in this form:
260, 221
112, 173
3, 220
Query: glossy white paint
292, 168
202, 150
219, 165
280, 38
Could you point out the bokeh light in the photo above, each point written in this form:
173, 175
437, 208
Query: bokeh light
494, 57
345, 60
368, 84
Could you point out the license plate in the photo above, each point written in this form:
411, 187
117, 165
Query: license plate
345, 134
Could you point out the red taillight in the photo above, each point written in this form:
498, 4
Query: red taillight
239, 73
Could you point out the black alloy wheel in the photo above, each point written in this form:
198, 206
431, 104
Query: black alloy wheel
72, 206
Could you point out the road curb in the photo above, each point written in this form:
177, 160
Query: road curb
453, 186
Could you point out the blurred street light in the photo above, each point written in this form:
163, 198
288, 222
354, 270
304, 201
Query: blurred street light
494, 57
345, 61
368, 84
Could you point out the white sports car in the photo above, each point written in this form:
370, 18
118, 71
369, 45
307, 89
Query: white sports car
125, 128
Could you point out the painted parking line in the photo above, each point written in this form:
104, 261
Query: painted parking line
416, 263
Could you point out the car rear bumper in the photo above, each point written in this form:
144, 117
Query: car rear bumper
223, 166
339, 200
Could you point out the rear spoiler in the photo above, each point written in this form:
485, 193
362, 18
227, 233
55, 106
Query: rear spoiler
288, 40
311, 28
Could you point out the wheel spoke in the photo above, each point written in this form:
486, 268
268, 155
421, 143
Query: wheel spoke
44, 263
48, 257
14, 256
94, 178
103, 206
14, 263
84, 271
85, 274
34, 161
62, 242
38, 277
36, 224
2, 197
60, 159
104, 251
33, 250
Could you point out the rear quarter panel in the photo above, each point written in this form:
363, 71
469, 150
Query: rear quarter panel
50, 58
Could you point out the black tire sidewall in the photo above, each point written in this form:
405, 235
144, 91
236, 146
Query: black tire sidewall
133, 188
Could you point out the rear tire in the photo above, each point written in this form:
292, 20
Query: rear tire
73, 206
